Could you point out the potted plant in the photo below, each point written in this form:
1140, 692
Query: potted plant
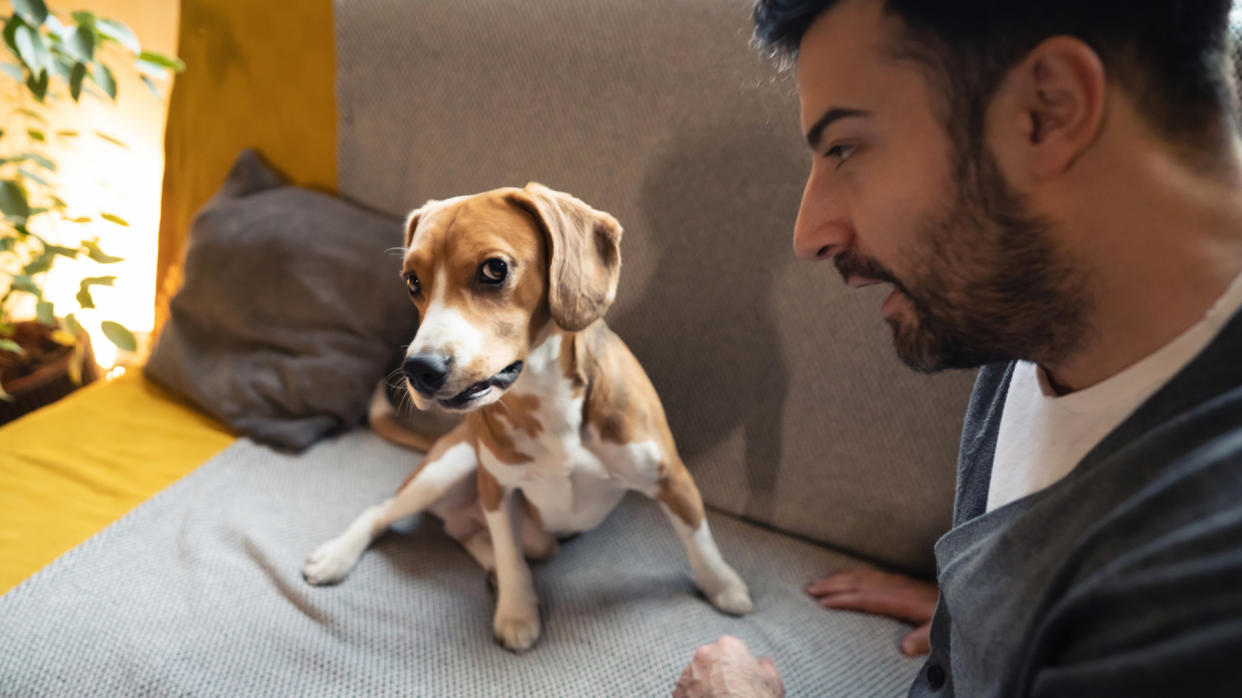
44, 351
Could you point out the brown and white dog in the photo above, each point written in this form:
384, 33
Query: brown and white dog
511, 285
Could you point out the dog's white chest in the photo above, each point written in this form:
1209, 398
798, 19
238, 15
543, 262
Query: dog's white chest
570, 486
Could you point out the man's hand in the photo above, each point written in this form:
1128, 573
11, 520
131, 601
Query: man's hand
880, 593
725, 669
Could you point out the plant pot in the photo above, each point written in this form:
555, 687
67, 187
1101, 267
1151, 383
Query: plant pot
49, 382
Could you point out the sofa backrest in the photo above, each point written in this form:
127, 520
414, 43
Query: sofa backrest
780, 384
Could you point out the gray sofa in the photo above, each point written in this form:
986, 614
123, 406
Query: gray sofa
815, 449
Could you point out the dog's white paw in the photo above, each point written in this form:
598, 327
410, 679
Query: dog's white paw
331, 561
734, 600
517, 629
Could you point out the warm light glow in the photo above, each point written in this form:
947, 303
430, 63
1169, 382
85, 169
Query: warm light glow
116, 372
95, 176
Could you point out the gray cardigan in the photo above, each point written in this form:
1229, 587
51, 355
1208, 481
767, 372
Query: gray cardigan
1122, 579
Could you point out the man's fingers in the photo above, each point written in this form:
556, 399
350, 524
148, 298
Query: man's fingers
918, 642
905, 604
849, 580
771, 677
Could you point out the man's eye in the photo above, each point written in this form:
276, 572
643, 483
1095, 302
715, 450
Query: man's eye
493, 271
840, 153
411, 282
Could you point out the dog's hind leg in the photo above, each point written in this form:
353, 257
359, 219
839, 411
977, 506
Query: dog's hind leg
451, 463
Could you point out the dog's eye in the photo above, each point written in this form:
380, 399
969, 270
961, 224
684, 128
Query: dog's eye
493, 271
411, 282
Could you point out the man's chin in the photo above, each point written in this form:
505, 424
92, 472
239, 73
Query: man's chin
929, 352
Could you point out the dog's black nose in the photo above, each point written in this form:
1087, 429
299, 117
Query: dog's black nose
426, 372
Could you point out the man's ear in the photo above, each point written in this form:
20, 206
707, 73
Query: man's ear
584, 254
411, 221
1048, 109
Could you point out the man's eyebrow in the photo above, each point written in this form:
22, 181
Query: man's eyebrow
816, 132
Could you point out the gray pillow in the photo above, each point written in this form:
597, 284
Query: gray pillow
291, 312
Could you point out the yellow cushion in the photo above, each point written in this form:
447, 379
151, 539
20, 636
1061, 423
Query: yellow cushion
70, 469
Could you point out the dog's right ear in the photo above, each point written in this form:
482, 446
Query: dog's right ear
411, 221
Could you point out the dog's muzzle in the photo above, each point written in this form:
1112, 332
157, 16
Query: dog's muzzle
428, 373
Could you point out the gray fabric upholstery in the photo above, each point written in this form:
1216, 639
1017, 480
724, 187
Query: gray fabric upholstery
197, 592
290, 313
779, 383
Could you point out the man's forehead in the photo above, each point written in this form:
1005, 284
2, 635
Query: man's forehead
843, 55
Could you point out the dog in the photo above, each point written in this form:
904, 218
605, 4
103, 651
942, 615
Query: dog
559, 419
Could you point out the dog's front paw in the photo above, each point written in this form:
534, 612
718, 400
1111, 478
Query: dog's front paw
330, 562
734, 600
517, 629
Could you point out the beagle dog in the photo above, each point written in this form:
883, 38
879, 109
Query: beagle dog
559, 419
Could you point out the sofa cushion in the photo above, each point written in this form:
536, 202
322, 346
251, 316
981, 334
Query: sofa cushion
291, 310
780, 384
198, 592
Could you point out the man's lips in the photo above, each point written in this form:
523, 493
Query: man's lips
862, 282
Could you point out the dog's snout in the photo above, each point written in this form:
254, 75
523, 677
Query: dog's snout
426, 372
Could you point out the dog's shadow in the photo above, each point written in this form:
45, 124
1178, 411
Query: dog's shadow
703, 329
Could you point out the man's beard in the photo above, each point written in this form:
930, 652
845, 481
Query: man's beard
990, 284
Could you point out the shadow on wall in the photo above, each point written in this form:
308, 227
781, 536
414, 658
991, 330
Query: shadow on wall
703, 328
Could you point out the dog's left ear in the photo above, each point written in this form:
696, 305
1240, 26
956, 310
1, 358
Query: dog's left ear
584, 254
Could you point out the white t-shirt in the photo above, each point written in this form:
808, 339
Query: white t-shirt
1043, 435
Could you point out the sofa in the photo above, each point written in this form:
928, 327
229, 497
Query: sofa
158, 551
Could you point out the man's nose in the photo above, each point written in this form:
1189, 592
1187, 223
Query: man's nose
426, 372
821, 231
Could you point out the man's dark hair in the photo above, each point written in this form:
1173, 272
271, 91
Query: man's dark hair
1172, 58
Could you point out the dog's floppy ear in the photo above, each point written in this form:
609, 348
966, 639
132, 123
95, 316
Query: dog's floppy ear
411, 221
584, 254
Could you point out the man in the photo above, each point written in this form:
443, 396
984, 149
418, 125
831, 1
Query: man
1054, 192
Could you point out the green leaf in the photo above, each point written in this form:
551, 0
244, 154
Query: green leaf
118, 32
45, 313
69, 252
55, 27
10, 33
13, 200
14, 71
151, 70
63, 65
35, 134
160, 59
118, 335
75, 80
92, 249
10, 345
84, 17
6, 244
31, 48
114, 219
40, 160
80, 43
110, 139
23, 283
33, 11
70, 323
151, 86
30, 175
84, 292
102, 75
40, 264
38, 85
